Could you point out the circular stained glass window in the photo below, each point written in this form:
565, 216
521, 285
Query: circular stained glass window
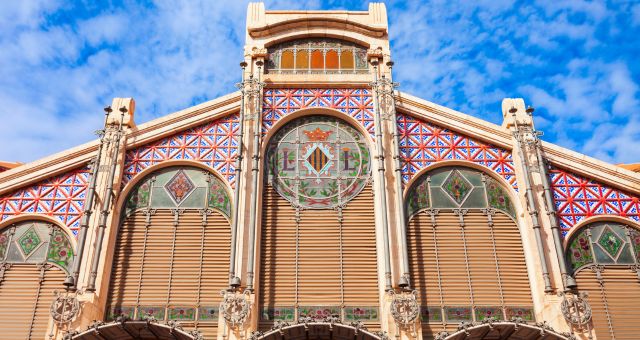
318, 162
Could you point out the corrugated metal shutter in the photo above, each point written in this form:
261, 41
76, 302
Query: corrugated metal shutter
615, 301
336, 262
25, 301
475, 266
160, 265
359, 251
513, 269
53, 279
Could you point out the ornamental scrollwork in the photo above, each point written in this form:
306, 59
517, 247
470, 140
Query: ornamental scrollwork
576, 310
235, 308
64, 308
405, 308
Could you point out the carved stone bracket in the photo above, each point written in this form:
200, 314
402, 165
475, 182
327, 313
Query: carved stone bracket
235, 308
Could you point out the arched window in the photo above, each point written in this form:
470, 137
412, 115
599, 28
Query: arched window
605, 258
317, 56
465, 250
172, 250
318, 239
36, 257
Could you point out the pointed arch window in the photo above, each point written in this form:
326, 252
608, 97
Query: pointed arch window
317, 55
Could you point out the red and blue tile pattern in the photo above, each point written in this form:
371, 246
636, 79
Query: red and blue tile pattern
61, 197
214, 144
577, 198
357, 103
423, 144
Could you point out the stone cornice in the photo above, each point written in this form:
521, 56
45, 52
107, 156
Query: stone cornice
341, 22
47, 167
455, 120
590, 167
184, 119
73, 158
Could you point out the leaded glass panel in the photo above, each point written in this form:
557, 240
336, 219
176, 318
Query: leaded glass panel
318, 162
36, 242
317, 55
457, 187
605, 243
179, 187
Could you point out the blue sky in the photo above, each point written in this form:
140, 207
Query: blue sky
575, 61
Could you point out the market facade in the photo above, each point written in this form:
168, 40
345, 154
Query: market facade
319, 202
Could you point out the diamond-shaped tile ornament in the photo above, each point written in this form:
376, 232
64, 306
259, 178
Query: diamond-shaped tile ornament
318, 159
457, 187
29, 241
610, 242
179, 187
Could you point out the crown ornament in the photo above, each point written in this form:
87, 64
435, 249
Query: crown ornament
317, 135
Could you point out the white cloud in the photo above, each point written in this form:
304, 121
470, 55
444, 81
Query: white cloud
55, 77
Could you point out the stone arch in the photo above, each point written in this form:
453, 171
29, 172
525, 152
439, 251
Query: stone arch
504, 330
320, 330
135, 330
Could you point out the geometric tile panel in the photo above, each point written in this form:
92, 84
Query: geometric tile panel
61, 197
423, 144
357, 103
214, 144
577, 198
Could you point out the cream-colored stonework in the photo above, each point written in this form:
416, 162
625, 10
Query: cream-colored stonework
368, 29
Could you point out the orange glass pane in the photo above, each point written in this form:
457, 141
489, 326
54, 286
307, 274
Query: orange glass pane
332, 59
287, 60
317, 60
302, 60
346, 60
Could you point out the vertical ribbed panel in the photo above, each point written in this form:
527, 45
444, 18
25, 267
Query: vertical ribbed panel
455, 284
157, 260
621, 295
21, 301
482, 264
439, 266
20, 284
359, 251
337, 263
171, 268
127, 262
53, 279
215, 268
186, 260
278, 251
319, 258
513, 269
423, 260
